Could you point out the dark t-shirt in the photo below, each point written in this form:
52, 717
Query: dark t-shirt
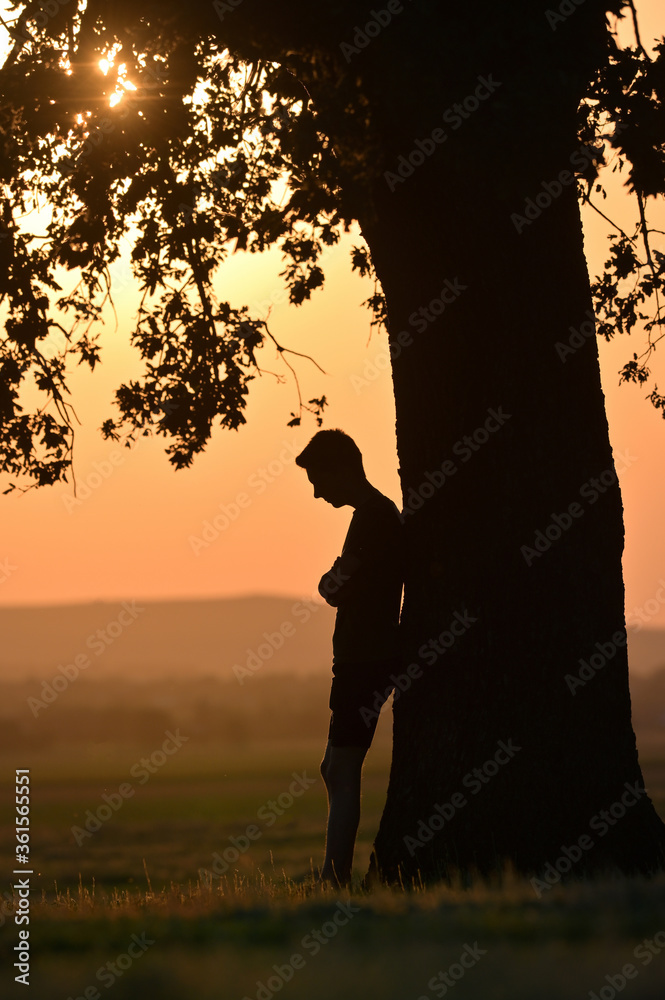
368, 603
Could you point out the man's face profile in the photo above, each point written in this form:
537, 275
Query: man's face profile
328, 485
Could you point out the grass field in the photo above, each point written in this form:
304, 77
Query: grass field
130, 912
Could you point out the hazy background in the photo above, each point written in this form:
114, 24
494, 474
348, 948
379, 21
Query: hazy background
132, 533
232, 671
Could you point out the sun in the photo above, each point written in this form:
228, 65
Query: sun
106, 64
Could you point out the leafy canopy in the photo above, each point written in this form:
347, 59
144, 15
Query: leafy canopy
129, 120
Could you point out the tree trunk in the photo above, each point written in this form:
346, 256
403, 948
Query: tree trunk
512, 739
515, 556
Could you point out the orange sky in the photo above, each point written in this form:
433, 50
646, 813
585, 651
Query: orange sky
130, 536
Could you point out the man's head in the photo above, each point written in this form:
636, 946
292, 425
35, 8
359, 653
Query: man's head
334, 466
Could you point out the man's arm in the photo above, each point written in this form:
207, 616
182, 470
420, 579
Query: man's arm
332, 585
377, 550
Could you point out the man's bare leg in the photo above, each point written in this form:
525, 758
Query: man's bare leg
341, 770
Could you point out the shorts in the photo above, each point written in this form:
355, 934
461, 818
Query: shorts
357, 694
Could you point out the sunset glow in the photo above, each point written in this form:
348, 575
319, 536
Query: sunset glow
128, 530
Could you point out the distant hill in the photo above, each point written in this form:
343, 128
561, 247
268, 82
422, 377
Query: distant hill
197, 639
156, 639
646, 651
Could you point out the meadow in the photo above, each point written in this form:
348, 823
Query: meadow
180, 874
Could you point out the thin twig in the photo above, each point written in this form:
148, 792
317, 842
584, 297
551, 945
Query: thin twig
290, 351
587, 200
645, 231
640, 47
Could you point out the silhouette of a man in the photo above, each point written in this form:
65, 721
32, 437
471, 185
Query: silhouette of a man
365, 585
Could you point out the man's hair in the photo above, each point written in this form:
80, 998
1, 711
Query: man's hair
331, 449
